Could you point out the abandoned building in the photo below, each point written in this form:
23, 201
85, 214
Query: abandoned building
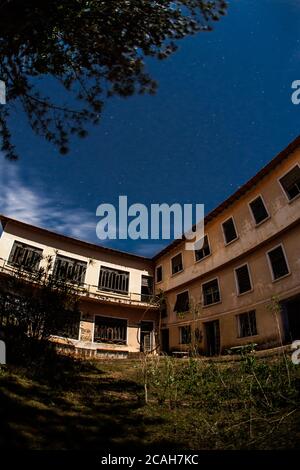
218, 297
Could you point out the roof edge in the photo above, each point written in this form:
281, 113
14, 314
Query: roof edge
239, 192
5, 220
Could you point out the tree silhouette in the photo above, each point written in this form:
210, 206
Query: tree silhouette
93, 49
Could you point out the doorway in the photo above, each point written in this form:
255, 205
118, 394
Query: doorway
291, 319
212, 331
146, 336
165, 346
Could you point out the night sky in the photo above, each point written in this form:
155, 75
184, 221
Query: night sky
223, 110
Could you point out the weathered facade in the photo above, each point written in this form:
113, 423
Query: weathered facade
242, 287
222, 295
115, 289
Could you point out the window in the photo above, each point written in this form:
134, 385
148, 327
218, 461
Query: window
211, 292
68, 325
163, 308
69, 270
243, 279
229, 231
25, 256
278, 263
185, 334
291, 183
177, 265
247, 324
159, 274
147, 288
182, 302
204, 251
259, 210
114, 280
110, 330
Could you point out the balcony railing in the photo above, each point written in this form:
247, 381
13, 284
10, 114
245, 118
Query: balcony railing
83, 290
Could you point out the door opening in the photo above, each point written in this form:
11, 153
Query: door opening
212, 330
146, 336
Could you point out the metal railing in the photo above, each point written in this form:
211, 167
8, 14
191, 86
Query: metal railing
83, 289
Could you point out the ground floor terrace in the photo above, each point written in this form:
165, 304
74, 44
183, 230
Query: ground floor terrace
111, 330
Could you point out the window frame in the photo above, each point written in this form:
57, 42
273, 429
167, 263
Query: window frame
161, 267
280, 184
265, 206
202, 292
74, 260
116, 318
108, 291
237, 281
238, 324
187, 325
235, 228
270, 264
71, 339
206, 256
178, 272
32, 248
152, 287
178, 293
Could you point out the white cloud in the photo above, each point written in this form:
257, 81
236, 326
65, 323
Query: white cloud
29, 204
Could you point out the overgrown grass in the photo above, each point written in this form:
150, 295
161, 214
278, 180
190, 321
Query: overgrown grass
191, 403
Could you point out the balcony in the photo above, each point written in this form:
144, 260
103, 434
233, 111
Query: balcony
83, 290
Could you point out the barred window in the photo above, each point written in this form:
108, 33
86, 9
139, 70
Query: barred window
25, 256
67, 326
69, 270
110, 330
114, 280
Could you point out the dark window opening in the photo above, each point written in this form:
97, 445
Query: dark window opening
243, 279
185, 334
204, 251
177, 265
291, 183
110, 330
247, 324
68, 325
211, 293
159, 274
259, 210
69, 270
278, 262
114, 280
229, 230
163, 309
182, 302
25, 256
147, 288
